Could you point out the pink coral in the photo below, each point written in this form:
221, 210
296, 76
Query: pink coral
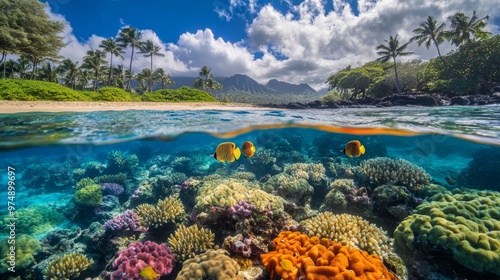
137, 256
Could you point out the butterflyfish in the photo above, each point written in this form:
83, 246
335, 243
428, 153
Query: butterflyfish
149, 273
227, 151
287, 265
248, 149
354, 149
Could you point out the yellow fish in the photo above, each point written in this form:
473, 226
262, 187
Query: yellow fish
354, 149
287, 265
248, 149
227, 151
149, 273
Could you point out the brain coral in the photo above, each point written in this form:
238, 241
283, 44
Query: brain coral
314, 258
167, 210
352, 231
67, 267
186, 242
213, 264
382, 170
467, 224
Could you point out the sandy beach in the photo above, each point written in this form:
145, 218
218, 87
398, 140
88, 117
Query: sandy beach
10, 107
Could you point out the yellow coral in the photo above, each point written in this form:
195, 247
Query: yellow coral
67, 267
466, 223
265, 201
352, 231
213, 264
167, 210
186, 242
312, 172
25, 247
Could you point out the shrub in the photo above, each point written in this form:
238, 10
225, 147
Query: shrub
16, 89
112, 94
183, 94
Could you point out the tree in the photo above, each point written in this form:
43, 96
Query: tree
164, 79
149, 49
464, 27
114, 49
129, 36
48, 72
392, 50
70, 71
206, 81
145, 76
94, 61
119, 74
430, 33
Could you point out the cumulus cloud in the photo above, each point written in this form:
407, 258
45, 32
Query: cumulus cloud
297, 43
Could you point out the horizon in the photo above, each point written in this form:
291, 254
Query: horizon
288, 40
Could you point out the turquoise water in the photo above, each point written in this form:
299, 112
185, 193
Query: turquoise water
444, 157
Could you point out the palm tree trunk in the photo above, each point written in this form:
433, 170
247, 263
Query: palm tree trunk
398, 86
33, 71
151, 77
95, 80
110, 69
4, 58
130, 68
439, 53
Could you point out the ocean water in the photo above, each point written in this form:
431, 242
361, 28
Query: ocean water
444, 159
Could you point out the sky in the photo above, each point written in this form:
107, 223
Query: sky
296, 41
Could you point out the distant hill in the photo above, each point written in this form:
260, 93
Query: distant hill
284, 87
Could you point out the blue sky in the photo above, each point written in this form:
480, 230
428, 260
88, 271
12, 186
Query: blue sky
298, 41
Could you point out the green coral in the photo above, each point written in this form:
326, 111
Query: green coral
467, 224
67, 267
314, 173
166, 210
213, 264
25, 247
35, 219
121, 162
291, 188
186, 242
382, 170
90, 195
83, 183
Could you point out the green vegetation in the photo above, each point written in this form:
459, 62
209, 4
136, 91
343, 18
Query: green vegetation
16, 89
183, 94
206, 80
472, 68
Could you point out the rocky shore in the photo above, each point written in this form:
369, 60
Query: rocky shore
407, 99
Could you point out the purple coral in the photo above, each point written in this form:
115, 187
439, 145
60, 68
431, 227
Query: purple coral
112, 188
242, 209
249, 246
127, 220
137, 256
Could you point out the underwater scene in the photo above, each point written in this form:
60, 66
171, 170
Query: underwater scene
400, 193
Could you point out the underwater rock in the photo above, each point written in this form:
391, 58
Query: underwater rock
482, 171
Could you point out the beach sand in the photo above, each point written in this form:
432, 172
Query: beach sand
9, 107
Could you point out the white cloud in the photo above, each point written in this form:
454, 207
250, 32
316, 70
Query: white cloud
304, 44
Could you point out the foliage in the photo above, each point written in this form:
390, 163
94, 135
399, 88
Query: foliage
392, 50
183, 94
14, 89
129, 36
149, 49
334, 96
206, 80
357, 80
113, 94
464, 27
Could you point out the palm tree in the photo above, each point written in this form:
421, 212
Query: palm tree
165, 79
23, 65
129, 36
70, 70
48, 72
149, 49
429, 32
119, 74
129, 75
94, 60
110, 46
392, 50
146, 76
463, 28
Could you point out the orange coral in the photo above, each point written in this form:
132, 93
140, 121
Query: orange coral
321, 259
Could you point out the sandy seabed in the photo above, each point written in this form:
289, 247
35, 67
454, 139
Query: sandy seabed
9, 107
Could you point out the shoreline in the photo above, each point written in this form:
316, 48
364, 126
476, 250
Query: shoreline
12, 107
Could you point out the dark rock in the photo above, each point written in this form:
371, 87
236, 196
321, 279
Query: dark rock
443, 100
459, 100
331, 104
315, 104
366, 101
297, 105
385, 104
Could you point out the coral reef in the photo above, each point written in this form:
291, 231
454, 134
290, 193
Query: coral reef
382, 170
345, 194
467, 224
314, 258
352, 231
213, 264
249, 176
49, 176
121, 162
124, 221
90, 195
314, 173
25, 249
186, 242
293, 189
248, 247
67, 267
35, 219
137, 256
167, 210
112, 188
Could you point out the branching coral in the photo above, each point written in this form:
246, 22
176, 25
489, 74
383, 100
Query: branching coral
314, 258
23, 256
213, 264
352, 231
467, 224
186, 242
382, 170
67, 267
167, 210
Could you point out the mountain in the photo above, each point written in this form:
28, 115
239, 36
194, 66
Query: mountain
243, 83
283, 87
